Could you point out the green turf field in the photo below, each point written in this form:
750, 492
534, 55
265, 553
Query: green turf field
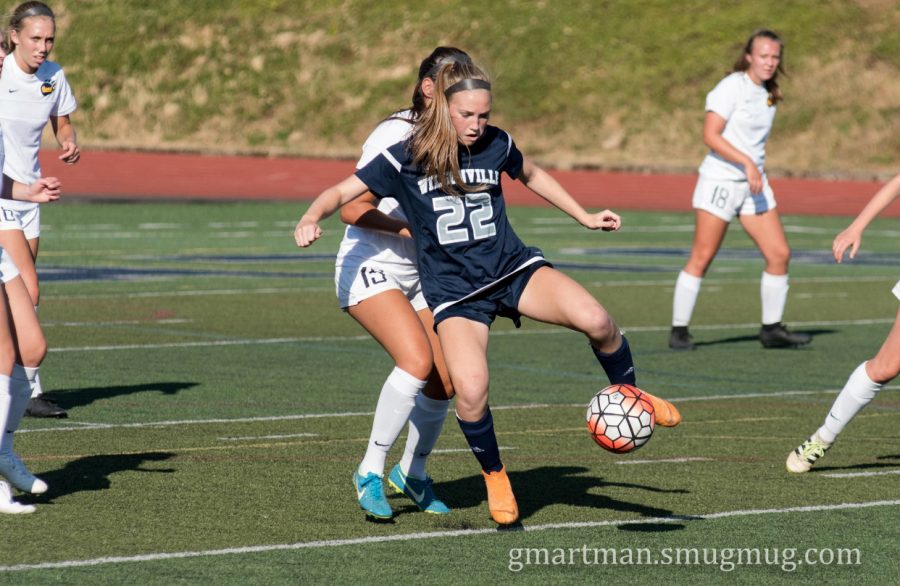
219, 401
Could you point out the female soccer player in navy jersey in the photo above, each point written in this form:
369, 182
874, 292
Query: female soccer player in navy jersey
378, 285
472, 265
739, 115
870, 376
33, 91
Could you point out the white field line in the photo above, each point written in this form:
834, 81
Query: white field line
455, 450
538, 331
191, 293
665, 461
127, 322
79, 426
858, 474
259, 437
162, 556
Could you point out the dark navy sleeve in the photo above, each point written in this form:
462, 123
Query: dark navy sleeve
380, 176
514, 160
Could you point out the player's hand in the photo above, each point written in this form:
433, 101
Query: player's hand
405, 233
606, 220
71, 153
306, 233
848, 238
44, 190
754, 179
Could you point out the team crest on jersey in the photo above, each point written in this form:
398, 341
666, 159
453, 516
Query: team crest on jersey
47, 87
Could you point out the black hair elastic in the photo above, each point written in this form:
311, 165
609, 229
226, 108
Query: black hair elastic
467, 84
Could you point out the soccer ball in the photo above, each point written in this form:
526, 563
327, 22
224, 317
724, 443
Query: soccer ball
620, 418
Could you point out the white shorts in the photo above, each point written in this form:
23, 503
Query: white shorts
8, 269
897, 289
726, 199
358, 278
28, 220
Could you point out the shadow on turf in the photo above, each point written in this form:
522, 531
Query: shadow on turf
755, 338
92, 473
549, 485
873, 466
69, 398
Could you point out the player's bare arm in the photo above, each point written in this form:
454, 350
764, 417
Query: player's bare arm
852, 236
328, 202
543, 184
363, 213
65, 135
44, 190
713, 127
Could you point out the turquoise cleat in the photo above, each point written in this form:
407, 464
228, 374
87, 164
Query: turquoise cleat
418, 490
370, 492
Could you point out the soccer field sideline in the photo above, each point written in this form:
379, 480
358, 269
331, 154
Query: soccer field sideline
441, 535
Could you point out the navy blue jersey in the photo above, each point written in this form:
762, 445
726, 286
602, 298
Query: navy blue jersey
464, 243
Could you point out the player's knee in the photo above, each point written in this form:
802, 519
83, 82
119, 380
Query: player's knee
777, 261
600, 325
33, 351
7, 356
471, 387
438, 386
699, 262
882, 370
417, 364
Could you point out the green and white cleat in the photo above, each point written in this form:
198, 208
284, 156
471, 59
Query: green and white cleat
419, 491
806, 454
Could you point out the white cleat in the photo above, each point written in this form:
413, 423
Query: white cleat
801, 460
8, 505
14, 470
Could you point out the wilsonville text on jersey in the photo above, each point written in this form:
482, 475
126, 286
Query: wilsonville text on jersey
470, 176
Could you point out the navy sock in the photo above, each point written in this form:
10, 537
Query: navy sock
619, 365
483, 441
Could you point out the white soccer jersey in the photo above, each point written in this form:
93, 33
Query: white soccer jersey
370, 244
744, 105
26, 104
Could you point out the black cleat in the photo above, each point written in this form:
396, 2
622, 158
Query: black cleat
44, 406
680, 339
777, 336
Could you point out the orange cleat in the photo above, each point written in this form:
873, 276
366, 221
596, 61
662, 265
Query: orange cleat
666, 414
501, 500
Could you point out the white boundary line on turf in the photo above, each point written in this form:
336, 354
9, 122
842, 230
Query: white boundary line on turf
259, 437
541, 331
665, 461
858, 474
432, 535
80, 426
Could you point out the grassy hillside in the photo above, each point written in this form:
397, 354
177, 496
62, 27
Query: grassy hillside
612, 83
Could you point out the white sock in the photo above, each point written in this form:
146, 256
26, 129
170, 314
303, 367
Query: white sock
687, 288
425, 423
397, 399
773, 290
20, 393
6, 432
36, 389
856, 394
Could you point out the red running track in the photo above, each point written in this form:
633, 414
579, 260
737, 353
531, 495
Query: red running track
140, 175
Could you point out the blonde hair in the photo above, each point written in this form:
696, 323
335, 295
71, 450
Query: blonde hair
434, 143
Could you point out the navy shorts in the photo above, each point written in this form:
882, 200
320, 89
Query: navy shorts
500, 300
